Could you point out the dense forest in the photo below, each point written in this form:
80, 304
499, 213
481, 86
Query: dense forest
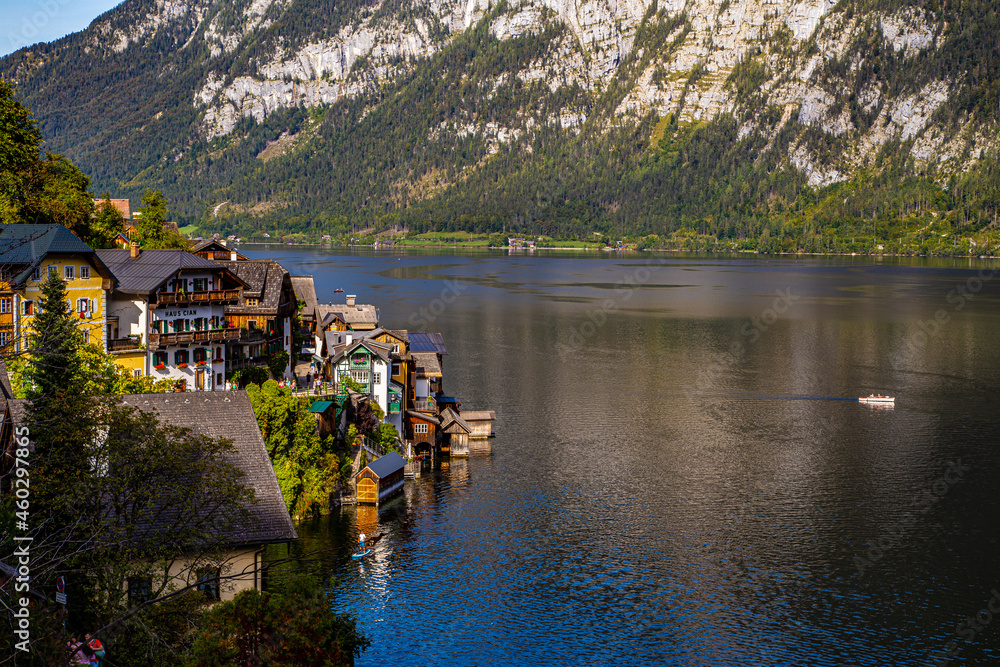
421, 150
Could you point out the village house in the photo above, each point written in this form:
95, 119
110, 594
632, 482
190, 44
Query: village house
166, 315
265, 314
305, 294
367, 362
30, 253
236, 561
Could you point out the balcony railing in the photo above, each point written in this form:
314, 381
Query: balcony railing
208, 336
124, 344
425, 406
206, 296
235, 363
251, 335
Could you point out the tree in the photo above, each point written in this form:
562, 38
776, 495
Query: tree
152, 229
19, 144
292, 630
308, 469
108, 223
33, 189
278, 363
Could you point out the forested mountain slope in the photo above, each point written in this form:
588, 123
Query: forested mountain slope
773, 123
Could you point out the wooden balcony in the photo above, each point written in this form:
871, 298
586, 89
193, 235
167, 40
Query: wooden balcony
207, 296
184, 337
425, 406
130, 344
252, 335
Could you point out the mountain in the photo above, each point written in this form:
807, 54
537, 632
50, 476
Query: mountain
748, 120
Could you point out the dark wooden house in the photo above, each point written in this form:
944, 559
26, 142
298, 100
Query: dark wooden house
380, 480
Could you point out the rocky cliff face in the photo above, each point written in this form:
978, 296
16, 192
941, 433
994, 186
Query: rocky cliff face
811, 65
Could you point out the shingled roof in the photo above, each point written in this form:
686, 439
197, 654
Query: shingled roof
351, 315
221, 414
426, 364
23, 247
153, 267
305, 291
228, 414
264, 279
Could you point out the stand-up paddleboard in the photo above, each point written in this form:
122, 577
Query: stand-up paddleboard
361, 554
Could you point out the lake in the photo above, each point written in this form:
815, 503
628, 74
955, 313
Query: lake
682, 473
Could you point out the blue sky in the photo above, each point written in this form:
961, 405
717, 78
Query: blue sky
26, 22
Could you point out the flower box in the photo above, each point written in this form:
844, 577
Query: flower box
201, 363
183, 364
160, 367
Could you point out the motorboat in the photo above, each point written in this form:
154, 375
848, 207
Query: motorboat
877, 398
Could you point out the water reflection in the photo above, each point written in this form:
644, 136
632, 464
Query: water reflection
653, 497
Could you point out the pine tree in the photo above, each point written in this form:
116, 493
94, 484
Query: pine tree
59, 415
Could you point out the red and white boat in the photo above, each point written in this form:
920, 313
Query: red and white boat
877, 398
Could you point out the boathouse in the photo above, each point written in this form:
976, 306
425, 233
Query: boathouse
454, 433
481, 423
380, 480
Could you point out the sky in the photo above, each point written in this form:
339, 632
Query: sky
26, 22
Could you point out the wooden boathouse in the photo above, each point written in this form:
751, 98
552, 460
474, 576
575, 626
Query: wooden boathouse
380, 480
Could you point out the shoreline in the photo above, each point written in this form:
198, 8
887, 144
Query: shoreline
674, 250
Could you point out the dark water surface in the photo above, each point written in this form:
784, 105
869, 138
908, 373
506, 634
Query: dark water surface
680, 476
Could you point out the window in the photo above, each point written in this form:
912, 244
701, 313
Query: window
6, 304
84, 273
360, 376
377, 378
159, 359
251, 324
138, 590
68, 272
36, 273
180, 357
218, 354
53, 270
4, 338
83, 305
218, 381
252, 302
208, 583
28, 307
136, 373
395, 370
27, 342
395, 349
200, 354
420, 428
200, 284
86, 336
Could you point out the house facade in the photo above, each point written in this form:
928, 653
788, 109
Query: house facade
167, 315
264, 314
30, 253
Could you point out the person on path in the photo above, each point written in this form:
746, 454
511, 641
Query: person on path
97, 647
79, 650
361, 541
229, 385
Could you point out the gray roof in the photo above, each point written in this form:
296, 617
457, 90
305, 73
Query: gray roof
478, 415
381, 350
264, 279
305, 291
23, 247
450, 419
352, 315
426, 363
222, 414
387, 465
228, 414
426, 417
151, 268
427, 342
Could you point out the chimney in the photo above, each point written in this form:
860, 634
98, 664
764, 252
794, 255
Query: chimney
134, 250
348, 338
232, 256
350, 299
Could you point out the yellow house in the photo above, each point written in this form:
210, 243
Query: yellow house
28, 254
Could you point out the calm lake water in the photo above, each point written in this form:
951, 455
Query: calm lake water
680, 475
